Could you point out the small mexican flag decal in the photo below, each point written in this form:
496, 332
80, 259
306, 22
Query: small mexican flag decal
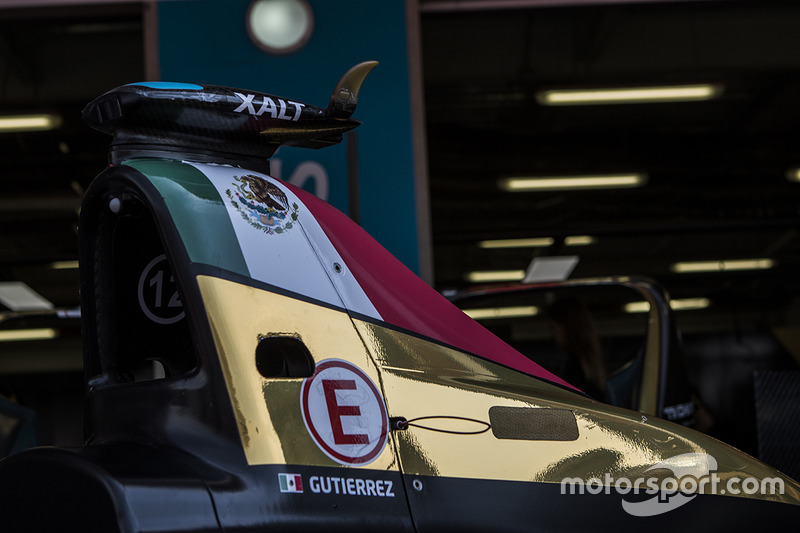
291, 482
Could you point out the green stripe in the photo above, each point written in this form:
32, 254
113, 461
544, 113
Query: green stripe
198, 212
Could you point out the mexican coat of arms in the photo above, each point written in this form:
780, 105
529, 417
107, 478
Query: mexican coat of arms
262, 204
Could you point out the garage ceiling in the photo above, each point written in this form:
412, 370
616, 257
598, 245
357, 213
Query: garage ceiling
54, 60
717, 186
717, 169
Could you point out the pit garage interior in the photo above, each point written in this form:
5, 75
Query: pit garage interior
719, 178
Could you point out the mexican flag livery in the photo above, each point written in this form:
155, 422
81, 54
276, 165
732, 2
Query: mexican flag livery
291, 483
242, 337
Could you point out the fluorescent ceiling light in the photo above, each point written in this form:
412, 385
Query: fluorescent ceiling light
64, 265
536, 242
495, 275
29, 122
27, 334
722, 265
553, 183
637, 307
502, 312
542, 242
17, 296
629, 95
685, 304
579, 240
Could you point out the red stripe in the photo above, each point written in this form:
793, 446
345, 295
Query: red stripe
404, 300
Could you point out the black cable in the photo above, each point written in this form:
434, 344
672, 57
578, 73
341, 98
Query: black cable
402, 424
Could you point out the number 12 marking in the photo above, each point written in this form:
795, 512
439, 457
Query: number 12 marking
152, 304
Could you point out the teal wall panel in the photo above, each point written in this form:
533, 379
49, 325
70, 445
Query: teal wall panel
206, 42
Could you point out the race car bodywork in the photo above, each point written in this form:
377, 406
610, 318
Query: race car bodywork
653, 378
256, 362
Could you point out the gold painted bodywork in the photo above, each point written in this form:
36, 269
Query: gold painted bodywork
424, 379
651, 365
268, 409
419, 378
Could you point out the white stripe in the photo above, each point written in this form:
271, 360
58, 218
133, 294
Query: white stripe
301, 259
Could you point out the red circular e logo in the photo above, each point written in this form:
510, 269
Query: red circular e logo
344, 413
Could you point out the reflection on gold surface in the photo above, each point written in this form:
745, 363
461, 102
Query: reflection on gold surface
268, 410
421, 379
424, 379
